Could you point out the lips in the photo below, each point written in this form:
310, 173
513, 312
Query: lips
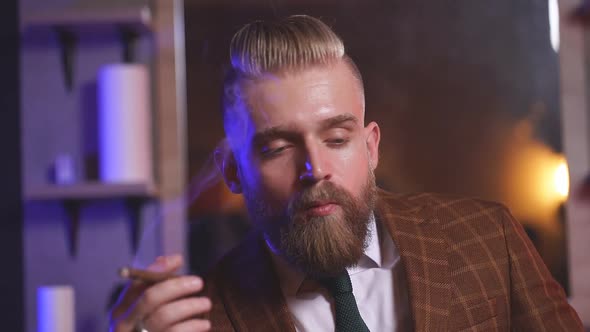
319, 203
321, 208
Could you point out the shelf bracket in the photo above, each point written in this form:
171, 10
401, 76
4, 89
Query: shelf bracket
129, 39
72, 226
67, 43
134, 205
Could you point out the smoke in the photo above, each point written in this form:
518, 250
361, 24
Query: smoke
206, 183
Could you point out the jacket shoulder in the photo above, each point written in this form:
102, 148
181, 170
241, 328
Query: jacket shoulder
444, 208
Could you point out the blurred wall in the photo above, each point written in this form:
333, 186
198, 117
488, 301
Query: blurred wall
56, 121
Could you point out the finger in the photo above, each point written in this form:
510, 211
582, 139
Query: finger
135, 288
129, 295
164, 292
194, 325
176, 312
166, 263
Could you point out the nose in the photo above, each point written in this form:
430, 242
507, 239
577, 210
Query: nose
315, 168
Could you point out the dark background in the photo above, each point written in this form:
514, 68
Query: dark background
465, 92
11, 227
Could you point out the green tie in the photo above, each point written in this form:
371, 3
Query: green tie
347, 316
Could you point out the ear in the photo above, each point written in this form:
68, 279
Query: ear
373, 137
228, 167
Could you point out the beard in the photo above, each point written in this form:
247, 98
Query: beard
319, 246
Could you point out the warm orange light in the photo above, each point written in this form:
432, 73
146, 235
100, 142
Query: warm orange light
536, 178
561, 180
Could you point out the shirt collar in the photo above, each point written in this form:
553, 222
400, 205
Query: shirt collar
372, 255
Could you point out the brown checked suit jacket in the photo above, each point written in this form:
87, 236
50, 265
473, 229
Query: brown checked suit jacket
469, 266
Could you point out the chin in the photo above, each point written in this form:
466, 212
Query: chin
323, 246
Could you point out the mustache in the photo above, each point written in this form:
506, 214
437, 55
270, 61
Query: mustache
327, 192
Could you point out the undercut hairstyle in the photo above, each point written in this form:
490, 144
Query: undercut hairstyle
288, 45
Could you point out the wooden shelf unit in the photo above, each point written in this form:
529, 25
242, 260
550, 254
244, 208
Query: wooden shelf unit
127, 24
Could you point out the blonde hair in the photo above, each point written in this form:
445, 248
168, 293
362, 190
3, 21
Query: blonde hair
291, 44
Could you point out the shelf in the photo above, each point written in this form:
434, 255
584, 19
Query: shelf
91, 190
75, 195
138, 18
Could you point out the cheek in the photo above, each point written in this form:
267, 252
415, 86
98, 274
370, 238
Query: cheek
250, 177
353, 168
273, 181
279, 179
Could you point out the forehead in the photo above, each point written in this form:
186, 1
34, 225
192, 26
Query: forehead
304, 97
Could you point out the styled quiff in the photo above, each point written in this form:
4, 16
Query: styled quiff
274, 47
290, 44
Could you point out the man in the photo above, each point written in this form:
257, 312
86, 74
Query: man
302, 156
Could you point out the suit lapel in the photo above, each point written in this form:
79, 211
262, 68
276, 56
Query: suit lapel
423, 251
251, 292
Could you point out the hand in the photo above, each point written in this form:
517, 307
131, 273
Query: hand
168, 306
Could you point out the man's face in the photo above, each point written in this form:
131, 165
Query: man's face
305, 165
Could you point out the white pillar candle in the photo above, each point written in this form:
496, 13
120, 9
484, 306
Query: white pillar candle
55, 309
125, 149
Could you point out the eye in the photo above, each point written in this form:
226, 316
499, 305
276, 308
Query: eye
337, 142
274, 150
337, 137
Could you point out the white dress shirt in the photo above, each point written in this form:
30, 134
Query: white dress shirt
378, 283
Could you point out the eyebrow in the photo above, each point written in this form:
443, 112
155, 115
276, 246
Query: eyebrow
289, 133
273, 133
338, 120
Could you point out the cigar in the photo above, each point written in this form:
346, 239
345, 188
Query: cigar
144, 275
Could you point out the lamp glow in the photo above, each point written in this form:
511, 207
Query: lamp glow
561, 179
554, 24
